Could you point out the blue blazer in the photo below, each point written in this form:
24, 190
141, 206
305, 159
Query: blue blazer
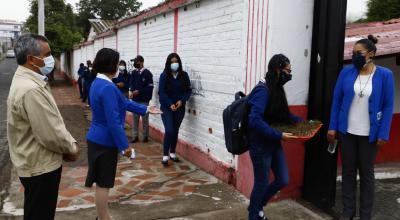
260, 133
176, 93
109, 107
380, 102
125, 78
142, 82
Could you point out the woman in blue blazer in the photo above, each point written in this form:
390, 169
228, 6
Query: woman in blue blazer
106, 136
268, 105
174, 91
361, 116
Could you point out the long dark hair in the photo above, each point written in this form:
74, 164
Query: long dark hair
277, 109
182, 76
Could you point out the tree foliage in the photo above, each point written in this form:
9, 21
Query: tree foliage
104, 9
60, 24
382, 10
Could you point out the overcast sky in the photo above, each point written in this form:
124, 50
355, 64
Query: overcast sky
19, 9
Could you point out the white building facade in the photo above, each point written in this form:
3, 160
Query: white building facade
225, 46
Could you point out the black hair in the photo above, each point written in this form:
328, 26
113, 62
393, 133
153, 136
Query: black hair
106, 61
122, 62
182, 75
369, 43
277, 109
88, 62
139, 58
81, 65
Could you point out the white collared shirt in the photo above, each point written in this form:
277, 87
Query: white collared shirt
103, 76
41, 77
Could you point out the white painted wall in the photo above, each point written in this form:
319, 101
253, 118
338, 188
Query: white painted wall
217, 51
77, 59
110, 42
127, 42
290, 32
98, 44
210, 45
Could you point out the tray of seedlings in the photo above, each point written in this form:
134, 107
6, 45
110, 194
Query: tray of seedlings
304, 130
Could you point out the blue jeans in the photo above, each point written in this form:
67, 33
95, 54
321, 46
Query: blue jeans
264, 159
172, 122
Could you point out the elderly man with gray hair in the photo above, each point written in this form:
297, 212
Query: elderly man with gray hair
38, 139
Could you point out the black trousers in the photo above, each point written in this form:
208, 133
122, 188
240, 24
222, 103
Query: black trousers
357, 155
41, 193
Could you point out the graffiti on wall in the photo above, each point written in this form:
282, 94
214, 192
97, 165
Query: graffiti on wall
195, 80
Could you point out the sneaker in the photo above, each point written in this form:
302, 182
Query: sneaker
133, 154
174, 158
136, 139
145, 140
165, 161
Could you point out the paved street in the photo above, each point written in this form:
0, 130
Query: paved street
7, 69
387, 200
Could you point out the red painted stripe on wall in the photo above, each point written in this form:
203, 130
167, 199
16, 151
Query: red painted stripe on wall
176, 19
262, 32
137, 39
258, 21
251, 48
247, 49
116, 40
266, 38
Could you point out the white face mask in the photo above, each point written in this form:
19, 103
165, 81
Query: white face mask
174, 67
116, 75
121, 68
48, 65
90, 68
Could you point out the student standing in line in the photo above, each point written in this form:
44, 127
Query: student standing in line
123, 78
361, 116
141, 91
174, 91
80, 79
88, 77
268, 105
106, 136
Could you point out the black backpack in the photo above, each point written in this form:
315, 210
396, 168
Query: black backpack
235, 119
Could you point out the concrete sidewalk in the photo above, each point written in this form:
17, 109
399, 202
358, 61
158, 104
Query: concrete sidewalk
144, 189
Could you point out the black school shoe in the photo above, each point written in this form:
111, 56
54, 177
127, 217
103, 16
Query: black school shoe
164, 162
136, 139
175, 159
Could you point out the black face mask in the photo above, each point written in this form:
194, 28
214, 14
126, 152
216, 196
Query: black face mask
136, 65
284, 77
358, 61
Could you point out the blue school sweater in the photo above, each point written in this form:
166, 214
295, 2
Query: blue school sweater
144, 83
176, 92
109, 107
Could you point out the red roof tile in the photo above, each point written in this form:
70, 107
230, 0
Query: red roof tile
388, 34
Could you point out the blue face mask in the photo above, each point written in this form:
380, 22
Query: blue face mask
174, 66
48, 65
358, 61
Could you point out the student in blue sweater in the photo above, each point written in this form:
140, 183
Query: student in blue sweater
141, 91
89, 75
174, 91
361, 116
106, 136
123, 78
268, 105
80, 79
